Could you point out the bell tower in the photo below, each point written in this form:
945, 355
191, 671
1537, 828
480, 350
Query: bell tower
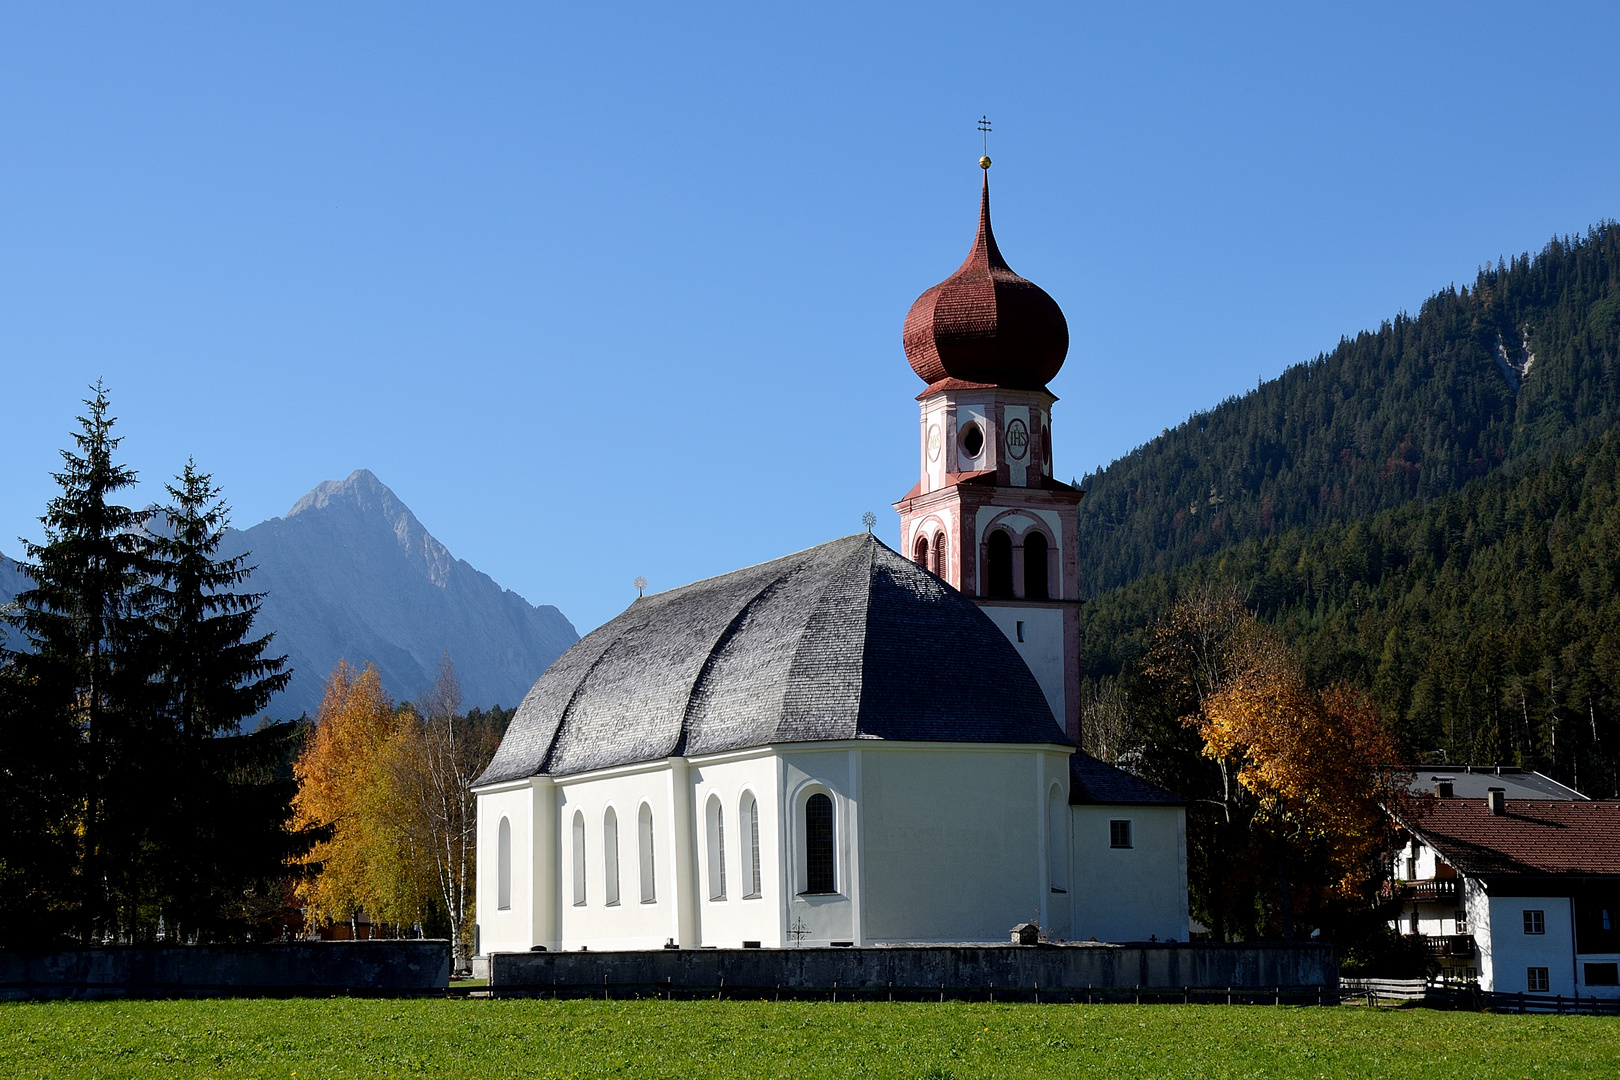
986, 514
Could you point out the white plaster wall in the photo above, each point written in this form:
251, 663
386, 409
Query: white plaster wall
730, 922
509, 930
952, 840
1510, 950
630, 924
1129, 894
1042, 647
973, 414
821, 919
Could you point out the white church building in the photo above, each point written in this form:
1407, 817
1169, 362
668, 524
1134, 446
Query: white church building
849, 746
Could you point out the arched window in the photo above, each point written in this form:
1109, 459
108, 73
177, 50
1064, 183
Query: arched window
579, 858
1057, 840
750, 820
717, 849
503, 865
939, 554
644, 836
999, 575
819, 863
1035, 566
610, 856
920, 552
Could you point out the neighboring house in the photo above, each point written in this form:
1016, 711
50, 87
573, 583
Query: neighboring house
1522, 895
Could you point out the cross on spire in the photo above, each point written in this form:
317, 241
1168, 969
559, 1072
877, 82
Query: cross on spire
984, 130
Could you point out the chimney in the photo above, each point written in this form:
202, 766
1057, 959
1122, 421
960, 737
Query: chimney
1445, 787
1496, 799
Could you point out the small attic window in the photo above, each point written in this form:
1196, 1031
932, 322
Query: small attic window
1119, 834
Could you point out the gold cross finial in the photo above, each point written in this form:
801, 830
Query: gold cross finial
984, 132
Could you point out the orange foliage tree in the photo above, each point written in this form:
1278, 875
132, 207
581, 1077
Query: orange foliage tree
1318, 764
1304, 776
348, 785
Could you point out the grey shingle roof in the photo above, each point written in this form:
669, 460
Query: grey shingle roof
1092, 781
847, 640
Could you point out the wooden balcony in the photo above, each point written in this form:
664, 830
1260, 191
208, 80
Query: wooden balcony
1434, 890
1457, 946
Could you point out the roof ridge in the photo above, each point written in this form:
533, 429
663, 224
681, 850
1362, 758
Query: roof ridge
718, 645
867, 547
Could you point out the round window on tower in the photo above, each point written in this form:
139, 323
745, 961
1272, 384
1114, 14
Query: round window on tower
972, 440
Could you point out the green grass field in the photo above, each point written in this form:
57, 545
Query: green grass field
350, 1037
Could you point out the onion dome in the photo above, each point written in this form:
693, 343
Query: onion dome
984, 324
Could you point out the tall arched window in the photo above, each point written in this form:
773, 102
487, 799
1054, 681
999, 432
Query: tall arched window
717, 849
920, 552
938, 554
750, 820
819, 865
999, 575
610, 856
579, 858
1057, 840
644, 838
503, 865
1035, 566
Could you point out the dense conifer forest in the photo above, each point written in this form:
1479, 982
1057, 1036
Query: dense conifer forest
1431, 514
1525, 362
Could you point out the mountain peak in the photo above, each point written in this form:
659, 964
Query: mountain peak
360, 489
351, 573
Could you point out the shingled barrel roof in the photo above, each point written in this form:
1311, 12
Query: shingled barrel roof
847, 640
1534, 838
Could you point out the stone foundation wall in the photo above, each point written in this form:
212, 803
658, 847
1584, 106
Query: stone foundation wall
916, 970
298, 967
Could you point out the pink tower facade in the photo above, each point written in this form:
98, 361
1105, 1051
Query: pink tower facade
986, 514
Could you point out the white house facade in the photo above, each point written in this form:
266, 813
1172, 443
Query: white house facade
1520, 895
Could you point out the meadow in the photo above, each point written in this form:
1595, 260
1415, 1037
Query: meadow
354, 1037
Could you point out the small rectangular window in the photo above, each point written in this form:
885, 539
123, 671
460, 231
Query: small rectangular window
1020, 630
1119, 834
1535, 980
1411, 868
1603, 974
1535, 922
1608, 919
1461, 917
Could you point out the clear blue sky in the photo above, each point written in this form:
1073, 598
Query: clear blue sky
604, 290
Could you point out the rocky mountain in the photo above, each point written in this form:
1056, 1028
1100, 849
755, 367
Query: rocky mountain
350, 573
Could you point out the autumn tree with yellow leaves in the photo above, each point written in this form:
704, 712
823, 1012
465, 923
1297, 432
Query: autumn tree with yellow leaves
348, 785
1289, 818
391, 785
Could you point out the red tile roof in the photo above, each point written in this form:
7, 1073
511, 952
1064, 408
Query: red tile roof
1537, 837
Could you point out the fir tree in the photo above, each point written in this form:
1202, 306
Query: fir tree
222, 835
80, 690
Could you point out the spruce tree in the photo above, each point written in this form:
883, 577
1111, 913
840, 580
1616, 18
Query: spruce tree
79, 698
222, 832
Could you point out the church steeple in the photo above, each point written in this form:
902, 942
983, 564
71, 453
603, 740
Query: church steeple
986, 514
985, 324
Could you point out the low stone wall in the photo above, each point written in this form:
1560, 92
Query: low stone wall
298, 967
1004, 971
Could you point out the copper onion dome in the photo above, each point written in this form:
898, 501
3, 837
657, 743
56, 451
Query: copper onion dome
985, 324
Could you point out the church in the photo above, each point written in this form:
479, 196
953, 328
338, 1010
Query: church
850, 745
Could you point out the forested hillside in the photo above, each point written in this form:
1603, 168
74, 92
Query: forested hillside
1524, 362
1485, 624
